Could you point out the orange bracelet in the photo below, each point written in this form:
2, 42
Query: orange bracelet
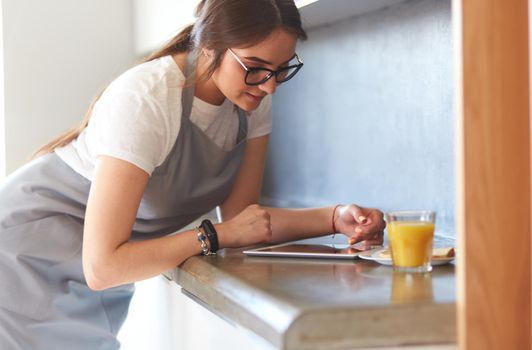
334, 211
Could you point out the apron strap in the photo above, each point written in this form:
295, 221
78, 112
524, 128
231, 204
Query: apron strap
242, 125
187, 97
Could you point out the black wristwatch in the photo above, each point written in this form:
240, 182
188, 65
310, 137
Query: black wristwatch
211, 233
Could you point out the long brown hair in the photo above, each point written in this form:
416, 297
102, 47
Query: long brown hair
219, 25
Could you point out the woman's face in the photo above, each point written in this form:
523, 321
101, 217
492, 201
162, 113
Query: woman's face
273, 52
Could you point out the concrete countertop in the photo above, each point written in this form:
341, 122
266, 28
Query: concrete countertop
323, 304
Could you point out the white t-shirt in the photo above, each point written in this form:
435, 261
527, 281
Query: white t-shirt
138, 117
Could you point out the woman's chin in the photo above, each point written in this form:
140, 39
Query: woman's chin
248, 105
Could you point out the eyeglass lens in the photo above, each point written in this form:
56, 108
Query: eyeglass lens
258, 76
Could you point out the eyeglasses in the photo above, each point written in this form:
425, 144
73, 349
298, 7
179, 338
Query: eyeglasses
258, 76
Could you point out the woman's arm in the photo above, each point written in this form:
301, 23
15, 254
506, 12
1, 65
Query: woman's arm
358, 223
108, 258
293, 224
248, 183
287, 224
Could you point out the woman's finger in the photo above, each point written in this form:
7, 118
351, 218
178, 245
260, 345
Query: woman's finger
355, 239
380, 219
376, 237
367, 230
358, 213
371, 243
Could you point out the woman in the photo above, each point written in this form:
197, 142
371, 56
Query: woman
167, 141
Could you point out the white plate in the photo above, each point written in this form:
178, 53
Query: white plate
374, 256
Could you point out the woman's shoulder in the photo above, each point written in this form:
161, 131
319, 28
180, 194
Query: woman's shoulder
153, 77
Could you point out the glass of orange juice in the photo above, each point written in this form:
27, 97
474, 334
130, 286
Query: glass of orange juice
410, 234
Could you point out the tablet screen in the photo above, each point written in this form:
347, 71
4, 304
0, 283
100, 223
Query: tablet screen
300, 250
312, 248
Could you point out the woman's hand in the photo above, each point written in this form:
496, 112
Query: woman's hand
360, 224
251, 226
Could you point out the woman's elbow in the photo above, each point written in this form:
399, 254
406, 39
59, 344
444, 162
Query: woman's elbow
96, 276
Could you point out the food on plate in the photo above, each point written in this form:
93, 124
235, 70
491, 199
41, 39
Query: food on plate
385, 254
437, 253
443, 252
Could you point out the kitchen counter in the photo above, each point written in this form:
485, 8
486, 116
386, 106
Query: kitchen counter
323, 304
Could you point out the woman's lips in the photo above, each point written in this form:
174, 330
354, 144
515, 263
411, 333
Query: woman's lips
255, 98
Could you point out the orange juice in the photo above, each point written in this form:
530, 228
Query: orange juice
411, 242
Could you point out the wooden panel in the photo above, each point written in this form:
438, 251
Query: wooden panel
530, 141
494, 176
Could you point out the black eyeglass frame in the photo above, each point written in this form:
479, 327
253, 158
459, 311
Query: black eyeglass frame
271, 72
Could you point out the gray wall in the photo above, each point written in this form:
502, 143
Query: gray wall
369, 119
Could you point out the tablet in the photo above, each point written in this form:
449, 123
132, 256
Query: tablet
300, 250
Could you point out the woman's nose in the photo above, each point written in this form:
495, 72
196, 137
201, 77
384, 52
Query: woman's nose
269, 86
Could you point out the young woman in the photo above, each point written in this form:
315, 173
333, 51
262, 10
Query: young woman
167, 141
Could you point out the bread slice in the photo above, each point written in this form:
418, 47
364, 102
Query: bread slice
385, 254
443, 252
437, 253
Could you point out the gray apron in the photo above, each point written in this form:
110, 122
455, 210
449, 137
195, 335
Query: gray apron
45, 302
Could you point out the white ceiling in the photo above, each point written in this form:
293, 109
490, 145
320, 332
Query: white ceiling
158, 20
328, 11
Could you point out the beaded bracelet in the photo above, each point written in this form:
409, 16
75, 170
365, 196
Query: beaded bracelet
203, 242
334, 212
332, 219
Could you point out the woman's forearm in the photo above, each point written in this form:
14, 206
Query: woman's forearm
136, 261
293, 224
